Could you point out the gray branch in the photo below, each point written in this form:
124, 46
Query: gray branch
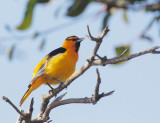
126, 58
8, 101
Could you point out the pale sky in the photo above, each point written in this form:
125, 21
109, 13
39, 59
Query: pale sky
136, 83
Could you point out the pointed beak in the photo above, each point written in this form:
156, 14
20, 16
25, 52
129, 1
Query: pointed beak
80, 39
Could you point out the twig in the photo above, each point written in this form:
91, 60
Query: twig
59, 98
30, 110
8, 101
125, 58
96, 92
53, 105
28, 115
156, 52
90, 36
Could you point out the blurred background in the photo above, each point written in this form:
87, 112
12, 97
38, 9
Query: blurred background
30, 29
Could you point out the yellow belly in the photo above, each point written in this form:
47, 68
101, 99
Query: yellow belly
60, 68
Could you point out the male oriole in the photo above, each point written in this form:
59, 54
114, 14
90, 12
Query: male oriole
56, 67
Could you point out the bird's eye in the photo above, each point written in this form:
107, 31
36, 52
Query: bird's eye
74, 39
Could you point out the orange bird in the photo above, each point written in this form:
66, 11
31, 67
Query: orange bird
56, 67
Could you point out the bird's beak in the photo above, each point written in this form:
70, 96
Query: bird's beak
80, 39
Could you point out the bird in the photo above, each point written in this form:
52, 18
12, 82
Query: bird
56, 67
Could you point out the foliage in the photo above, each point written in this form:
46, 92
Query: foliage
109, 7
78, 7
120, 49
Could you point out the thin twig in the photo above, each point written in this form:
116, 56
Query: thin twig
107, 94
8, 101
59, 98
98, 56
96, 92
156, 52
90, 36
105, 31
28, 115
30, 110
69, 101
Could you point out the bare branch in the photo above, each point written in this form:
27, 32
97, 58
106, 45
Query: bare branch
125, 58
30, 110
69, 101
156, 52
96, 93
107, 94
105, 31
98, 56
90, 36
20, 118
28, 115
8, 101
79, 100
98, 43
50, 107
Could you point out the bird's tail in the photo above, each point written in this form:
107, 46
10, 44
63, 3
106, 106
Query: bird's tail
34, 85
28, 92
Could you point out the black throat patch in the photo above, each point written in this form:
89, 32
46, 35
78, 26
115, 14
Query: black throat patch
77, 46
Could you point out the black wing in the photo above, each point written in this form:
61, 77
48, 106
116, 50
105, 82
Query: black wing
56, 51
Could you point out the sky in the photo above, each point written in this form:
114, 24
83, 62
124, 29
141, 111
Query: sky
136, 83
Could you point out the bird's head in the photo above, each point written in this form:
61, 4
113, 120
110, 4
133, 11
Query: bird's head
73, 43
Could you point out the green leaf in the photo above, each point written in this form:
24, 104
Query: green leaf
26, 23
105, 20
120, 49
125, 15
10, 52
77, 7
42, 44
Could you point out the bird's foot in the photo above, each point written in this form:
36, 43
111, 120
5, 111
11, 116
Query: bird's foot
60, 82
50, 87
60, 85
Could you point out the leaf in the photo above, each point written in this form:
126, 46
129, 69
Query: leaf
10, 52
105, 20
120, 49
26, 23
125, 15
42, 44
77, 7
